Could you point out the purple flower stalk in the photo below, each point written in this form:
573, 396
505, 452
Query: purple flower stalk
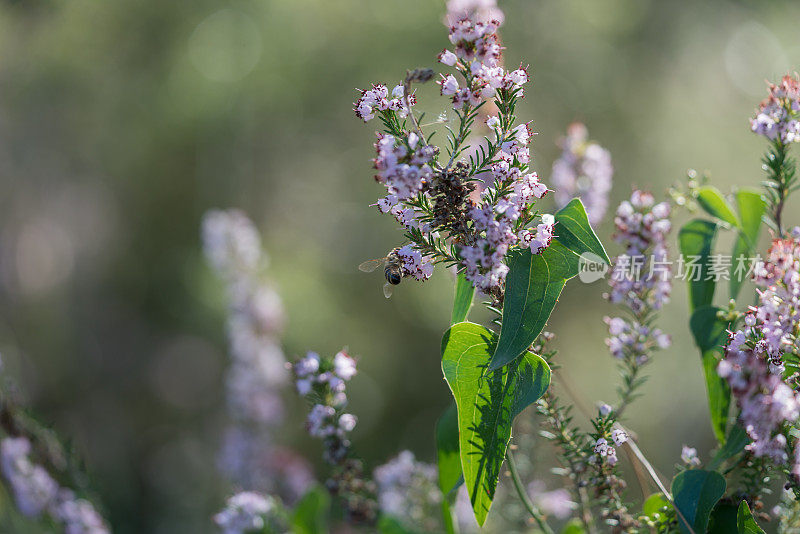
583, 170
37, 493
323, 381
257, 375
640, 282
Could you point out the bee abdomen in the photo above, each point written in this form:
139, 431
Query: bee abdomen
392, 275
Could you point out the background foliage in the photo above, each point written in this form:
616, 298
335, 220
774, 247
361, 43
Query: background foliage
122, 122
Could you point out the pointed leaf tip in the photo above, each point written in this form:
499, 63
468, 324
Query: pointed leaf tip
534, 282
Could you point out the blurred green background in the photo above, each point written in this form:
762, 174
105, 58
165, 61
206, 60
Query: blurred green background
122, 122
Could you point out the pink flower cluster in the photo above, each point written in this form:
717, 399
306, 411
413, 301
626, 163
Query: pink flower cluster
583, 170
689, 456
766, 402
480, 10
605, 451
476, 55
496, 217
496, 223
407, 491
540, 239
754, 358
777, 116
403, 166
414, 263
377, 100
640, 278
248, 511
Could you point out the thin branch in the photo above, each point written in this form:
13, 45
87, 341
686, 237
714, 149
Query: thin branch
523, 495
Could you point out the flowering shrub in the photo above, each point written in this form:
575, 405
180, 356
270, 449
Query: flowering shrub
471, 204
466, 196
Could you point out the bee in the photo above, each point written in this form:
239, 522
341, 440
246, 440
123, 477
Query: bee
391, 270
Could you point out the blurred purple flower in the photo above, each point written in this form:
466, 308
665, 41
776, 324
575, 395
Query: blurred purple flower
583, 170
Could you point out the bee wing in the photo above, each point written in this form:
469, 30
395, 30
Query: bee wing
370, 265
387, 290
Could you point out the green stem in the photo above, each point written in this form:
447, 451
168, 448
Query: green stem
523, 495
780, 183
451, 527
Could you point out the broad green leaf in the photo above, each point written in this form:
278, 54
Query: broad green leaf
448, 461
654, 504
575, 232
745, 521
696, 239
695, 493
723, 519
712, 201
310, 515
534, 281
392, 525
736, 442
573, 526
487, 403
710, 335
533, 285
751, 208
462, 301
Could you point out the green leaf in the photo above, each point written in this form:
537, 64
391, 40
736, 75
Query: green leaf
751, 208
719, 396
575, 232
462, 301
696, 239
654, 504
712, 201
487, 403
391, 525
534, 281
710, 335
695, 493
573, 526
736, 442
723, 519
745, 521
448, 461
310, 515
